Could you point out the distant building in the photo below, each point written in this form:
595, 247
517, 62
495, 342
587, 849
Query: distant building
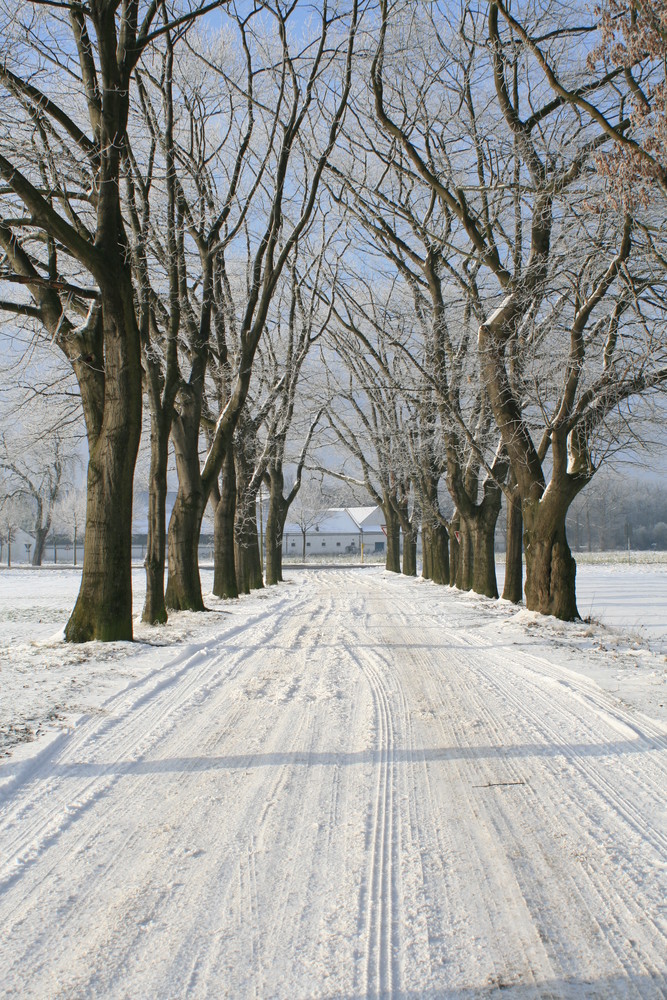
339, 531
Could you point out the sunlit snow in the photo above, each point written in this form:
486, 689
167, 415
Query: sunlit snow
353, 785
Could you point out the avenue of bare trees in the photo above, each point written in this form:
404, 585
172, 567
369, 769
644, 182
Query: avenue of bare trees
431, 236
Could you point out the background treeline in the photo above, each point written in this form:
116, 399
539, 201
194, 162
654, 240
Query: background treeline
616, 514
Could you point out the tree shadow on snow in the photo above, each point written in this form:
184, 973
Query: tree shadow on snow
318, 758
607, 988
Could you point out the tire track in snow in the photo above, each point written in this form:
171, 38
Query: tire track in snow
377, 918
576, 895
253, 811
465, 844
151, 701
471, 846
266, 809
581, 896
178, 693
155, 713
521, 873
545, 712
590, 892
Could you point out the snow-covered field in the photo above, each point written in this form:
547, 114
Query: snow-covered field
353, 785
629, 595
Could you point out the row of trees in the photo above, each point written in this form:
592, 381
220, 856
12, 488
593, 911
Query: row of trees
433, 232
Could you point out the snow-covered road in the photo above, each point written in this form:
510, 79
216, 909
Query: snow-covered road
357, 786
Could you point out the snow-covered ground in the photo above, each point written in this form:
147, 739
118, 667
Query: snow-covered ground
353, 785
630, 593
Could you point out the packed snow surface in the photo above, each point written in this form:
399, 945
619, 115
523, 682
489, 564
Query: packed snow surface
353, 785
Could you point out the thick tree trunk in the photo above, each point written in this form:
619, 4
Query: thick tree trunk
183, 591
550, 567
454, 549
393, 559
275, 524
224, 572
246, 539
410, 552
482, 533
40, 544
464, 577
155, 612
435, 549
103, 609
184, 584
513, 588
426, 552
274, 548
246, 553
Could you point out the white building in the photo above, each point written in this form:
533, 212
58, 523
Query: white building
339, 531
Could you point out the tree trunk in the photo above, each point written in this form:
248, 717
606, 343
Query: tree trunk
438, 546
427, 570
393, 559
482, 534
275, 524
246, 539
464, 574
246, 553
40, 544
513, 588
155, 611
454, 549
255, 571
183, 591
410, 552
224, 572
184, 584
550, 567
274, 548
103, 609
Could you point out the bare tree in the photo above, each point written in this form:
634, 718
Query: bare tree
37, 469
305, 103
299, 320
12, 516
371, 413
397, 215
66, 199
621, 86
309, 509
70, 515
586, 343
